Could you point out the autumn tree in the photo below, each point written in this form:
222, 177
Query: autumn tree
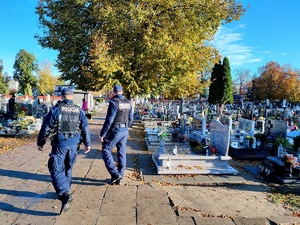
46, 82
24, 66
141, 44
277, 83
220, 90
242, 79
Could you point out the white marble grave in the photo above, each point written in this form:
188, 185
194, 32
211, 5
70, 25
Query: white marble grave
187, 162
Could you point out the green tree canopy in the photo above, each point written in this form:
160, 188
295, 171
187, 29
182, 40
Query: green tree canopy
141, 44
24, 66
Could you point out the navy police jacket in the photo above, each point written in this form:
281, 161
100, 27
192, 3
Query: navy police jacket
111, 115
59, 139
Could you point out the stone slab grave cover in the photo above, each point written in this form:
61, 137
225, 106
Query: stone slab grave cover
187, 162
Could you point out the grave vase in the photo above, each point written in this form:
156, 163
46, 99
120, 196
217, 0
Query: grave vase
247, 143
161, 147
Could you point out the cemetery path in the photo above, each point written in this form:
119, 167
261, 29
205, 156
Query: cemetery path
27, 195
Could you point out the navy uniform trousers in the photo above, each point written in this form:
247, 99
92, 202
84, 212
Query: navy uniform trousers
118, 139
60, 166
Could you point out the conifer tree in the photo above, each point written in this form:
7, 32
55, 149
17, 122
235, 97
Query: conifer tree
220, 90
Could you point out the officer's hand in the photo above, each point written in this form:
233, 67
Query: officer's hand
40, 148
101, 139
86, 149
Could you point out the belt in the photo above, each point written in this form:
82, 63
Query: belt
123, 125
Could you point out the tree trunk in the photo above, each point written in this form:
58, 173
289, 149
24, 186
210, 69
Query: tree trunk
220, 108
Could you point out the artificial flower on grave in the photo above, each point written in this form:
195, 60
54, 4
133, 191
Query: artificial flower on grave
189, 121
207, 125
289, 158
162, 133
251, 140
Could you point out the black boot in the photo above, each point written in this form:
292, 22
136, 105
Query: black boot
66, 199
115, 179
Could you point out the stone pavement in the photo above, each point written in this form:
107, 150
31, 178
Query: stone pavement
143, 198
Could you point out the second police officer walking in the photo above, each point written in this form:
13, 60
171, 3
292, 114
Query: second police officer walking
115, 133
66, 123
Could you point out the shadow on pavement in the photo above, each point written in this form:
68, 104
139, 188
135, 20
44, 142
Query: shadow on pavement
11, 208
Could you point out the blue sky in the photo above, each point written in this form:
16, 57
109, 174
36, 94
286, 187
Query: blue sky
269, 31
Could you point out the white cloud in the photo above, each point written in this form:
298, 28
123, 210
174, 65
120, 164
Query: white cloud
230, 44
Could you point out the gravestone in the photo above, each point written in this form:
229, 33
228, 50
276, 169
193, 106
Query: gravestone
199, 124
199, 130
246, 126
219, 137
226, 121
277, 128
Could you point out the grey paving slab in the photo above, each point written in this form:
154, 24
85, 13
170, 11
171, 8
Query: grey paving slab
169, 179
115, 208
203, 179
155, 186
153, 207
218, 178
156, 197
185, 180
235, 179
115, 221
152, 178
284, 220
82, 197
213, 221
160, 214
188, 213
250, 221
182, 220
78, 217
120, 193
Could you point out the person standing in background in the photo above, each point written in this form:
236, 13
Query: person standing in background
11, 105
84, 106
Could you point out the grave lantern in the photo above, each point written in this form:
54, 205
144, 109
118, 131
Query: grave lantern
213, 150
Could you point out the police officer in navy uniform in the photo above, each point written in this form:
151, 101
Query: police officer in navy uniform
65, 123
115, 133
